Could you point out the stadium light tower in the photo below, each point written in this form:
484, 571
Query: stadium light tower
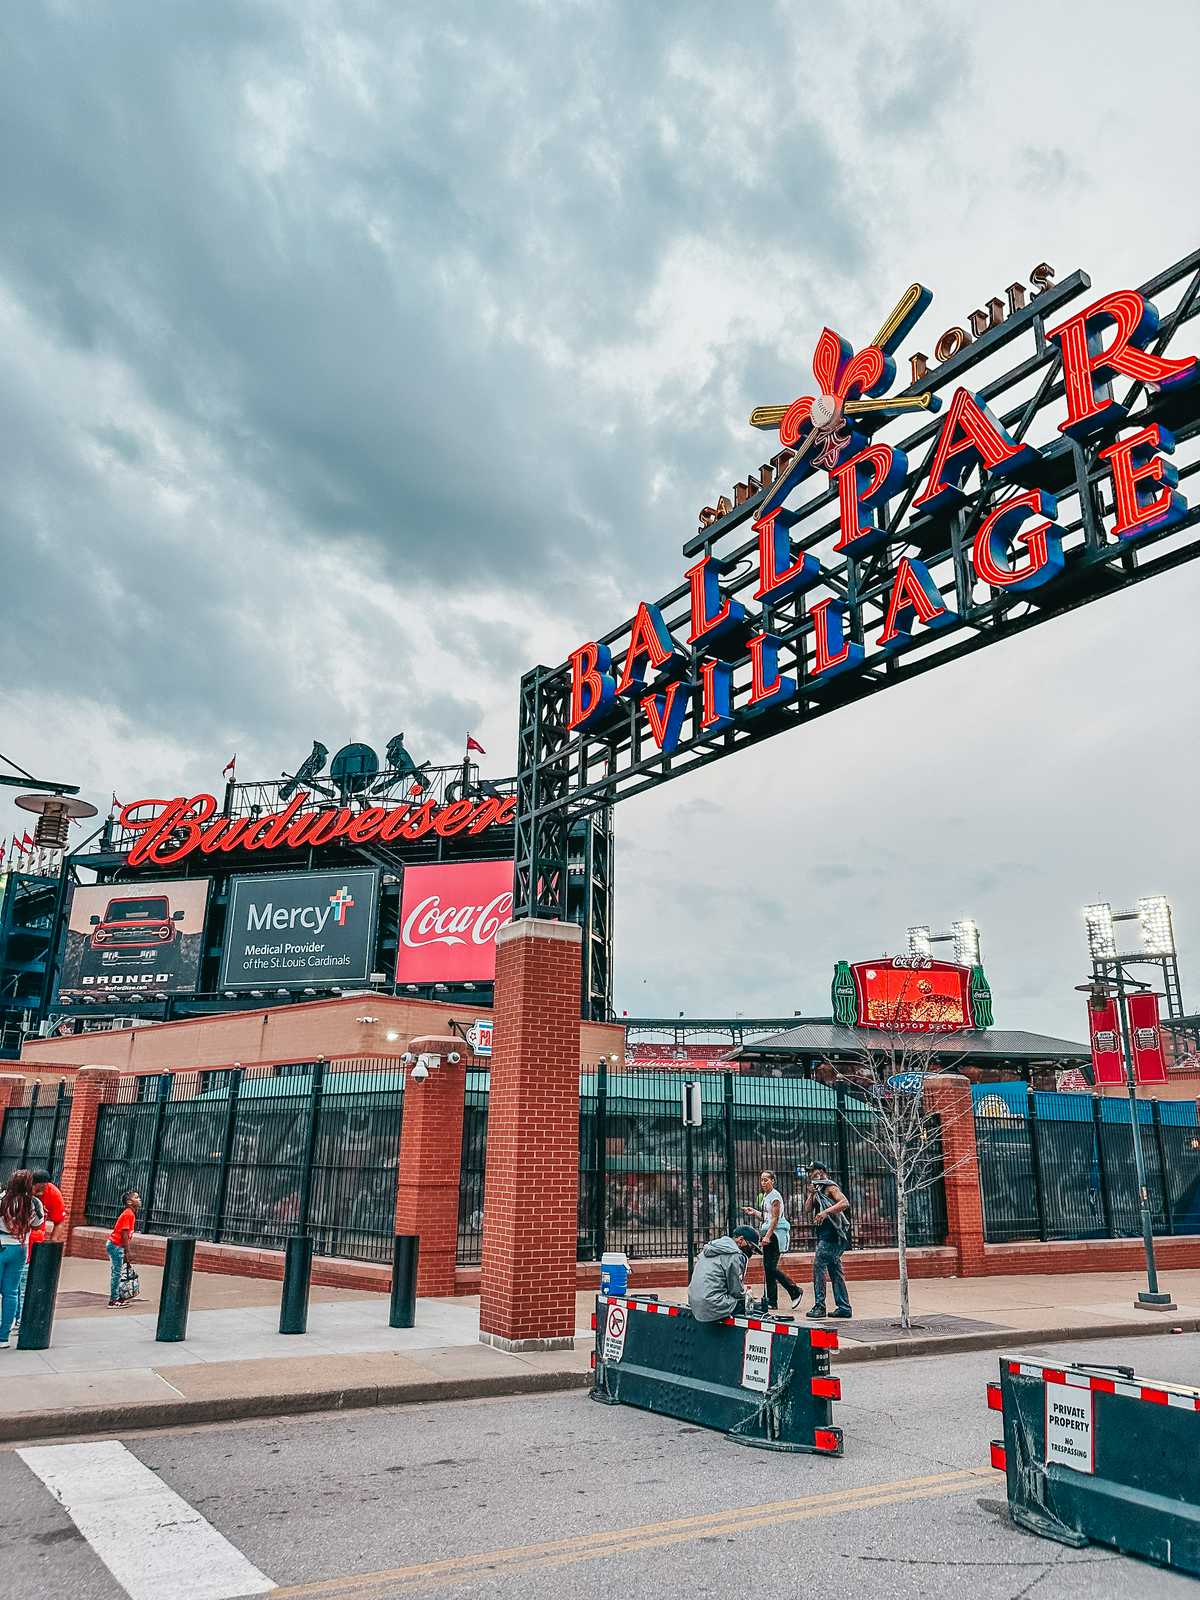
963, 935
1156, 938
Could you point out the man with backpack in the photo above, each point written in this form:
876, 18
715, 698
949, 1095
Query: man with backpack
830, 1212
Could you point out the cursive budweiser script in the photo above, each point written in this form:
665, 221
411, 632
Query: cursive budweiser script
429, 922
174, 828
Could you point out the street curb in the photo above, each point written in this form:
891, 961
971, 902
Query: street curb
1009, 1339
20, 1428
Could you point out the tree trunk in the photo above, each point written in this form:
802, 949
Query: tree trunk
902, 1241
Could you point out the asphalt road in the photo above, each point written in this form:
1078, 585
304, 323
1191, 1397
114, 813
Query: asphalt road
555, 1495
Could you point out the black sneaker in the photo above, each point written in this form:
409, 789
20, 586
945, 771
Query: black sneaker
841, 1313
817, 1311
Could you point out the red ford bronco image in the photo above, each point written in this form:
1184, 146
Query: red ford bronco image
135, 924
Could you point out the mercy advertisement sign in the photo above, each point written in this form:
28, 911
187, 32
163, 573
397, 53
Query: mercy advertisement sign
300, 929
126, 940
450, 915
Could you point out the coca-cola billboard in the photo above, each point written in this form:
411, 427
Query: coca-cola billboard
450, 915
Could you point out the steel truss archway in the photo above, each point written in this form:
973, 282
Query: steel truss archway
565, 775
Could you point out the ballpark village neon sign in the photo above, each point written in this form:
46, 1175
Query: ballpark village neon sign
1016, 548
175, 828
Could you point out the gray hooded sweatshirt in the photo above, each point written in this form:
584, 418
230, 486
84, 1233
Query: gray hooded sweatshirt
717, 1283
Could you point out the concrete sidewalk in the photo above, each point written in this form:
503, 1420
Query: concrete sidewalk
105, 1371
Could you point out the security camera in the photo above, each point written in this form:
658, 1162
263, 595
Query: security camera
420, 1072
453, 1057
407, 1058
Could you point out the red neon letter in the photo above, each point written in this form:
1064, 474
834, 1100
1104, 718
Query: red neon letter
970, 435
715, 680
665, 713
775, 580
591, 683
1002, 525
648, 637
914, 594
1087, 368
1133, 462
870, 476
842, 655
708, 617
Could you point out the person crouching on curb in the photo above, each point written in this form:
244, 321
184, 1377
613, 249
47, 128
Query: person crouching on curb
20, 1213
776, 1237
718, 1284
118, 1244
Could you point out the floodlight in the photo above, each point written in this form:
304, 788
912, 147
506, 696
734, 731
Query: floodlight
1101, 934
966, 942
1154, 923
920, 942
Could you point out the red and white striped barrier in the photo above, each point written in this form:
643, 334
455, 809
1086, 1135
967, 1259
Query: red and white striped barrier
821, 1338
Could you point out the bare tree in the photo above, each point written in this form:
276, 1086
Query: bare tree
888, 1076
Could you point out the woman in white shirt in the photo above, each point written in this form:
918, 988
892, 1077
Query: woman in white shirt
776, 1236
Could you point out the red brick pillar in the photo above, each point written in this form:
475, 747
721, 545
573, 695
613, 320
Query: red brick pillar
530, 1221
949, 1095
92, 1087
427, 1182
12, 1086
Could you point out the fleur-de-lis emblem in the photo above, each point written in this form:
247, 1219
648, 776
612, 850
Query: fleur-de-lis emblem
848, 382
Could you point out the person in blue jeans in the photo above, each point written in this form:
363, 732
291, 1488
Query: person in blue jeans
20, 1213
118, 1245
830, 1210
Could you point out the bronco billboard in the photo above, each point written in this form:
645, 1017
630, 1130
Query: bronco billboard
300, 929
450, 915
128, 939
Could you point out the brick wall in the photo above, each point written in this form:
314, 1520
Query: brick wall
949, 1096
530, 1223
284, 1033
93, 1086
427, 1182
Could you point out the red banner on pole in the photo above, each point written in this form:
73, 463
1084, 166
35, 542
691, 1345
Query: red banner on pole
1145, 1037
1106, 1044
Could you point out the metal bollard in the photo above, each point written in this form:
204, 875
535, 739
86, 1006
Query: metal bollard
297, 1268
176, 1291
405, 1250
37, 1317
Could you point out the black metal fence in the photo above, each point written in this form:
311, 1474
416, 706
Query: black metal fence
256, 1155
1062, 1167
632, 1156
35, 1130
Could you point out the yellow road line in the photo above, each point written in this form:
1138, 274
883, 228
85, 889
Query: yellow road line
620, 1541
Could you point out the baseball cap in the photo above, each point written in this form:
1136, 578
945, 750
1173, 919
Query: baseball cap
750, 1235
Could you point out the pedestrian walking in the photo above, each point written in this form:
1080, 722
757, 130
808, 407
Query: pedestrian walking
118, 1244
55, 1215
776, 1237
20, 1213
831, 1213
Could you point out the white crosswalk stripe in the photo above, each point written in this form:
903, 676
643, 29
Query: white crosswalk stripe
155, 1545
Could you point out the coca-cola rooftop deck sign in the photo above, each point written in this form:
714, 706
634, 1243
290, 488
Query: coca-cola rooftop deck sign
450, 915
846, 564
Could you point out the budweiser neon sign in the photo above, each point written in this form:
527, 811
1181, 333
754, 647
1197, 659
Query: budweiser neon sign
168, 830
1014, 544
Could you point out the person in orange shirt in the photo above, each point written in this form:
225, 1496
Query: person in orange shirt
55, 1212
118, 1243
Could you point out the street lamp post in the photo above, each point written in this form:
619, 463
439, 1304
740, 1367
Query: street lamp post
1151, 1298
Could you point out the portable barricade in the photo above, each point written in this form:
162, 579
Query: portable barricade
1096, 1455
759, 1381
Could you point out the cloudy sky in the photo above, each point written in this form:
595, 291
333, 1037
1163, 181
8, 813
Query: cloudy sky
359, 356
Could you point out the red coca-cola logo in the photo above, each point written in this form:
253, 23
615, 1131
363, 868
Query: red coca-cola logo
449, 918
429, 922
